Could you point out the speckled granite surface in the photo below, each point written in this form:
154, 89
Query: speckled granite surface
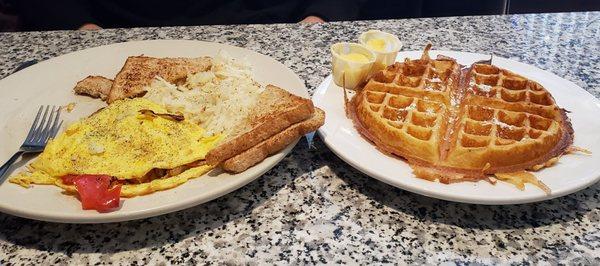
324, 211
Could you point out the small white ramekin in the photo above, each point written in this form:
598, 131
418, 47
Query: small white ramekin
387, 57
346, 73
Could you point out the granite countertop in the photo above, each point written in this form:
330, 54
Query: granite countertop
314, 208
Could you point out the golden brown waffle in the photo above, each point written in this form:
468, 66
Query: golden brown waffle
460, 123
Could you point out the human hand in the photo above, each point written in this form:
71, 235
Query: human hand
90, 26
312, 19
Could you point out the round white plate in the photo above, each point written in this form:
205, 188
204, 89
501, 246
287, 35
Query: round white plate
51, 82
572, 173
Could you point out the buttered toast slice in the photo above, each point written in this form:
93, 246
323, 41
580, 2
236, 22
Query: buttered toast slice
139, 71
274, 144
275, 110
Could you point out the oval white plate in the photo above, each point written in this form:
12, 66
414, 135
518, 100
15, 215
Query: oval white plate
572, 173
51, 82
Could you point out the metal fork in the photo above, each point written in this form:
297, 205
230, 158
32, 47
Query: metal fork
39, 133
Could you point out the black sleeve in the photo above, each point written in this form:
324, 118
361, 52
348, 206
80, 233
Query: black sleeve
53, 15
332, 10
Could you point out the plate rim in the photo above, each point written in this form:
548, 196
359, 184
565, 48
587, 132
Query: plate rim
319, 96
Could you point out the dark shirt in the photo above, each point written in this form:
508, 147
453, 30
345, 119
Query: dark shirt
71, 14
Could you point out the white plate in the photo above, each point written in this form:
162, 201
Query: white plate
572, 173
51, 82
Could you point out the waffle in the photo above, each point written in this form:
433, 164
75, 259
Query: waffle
455, 123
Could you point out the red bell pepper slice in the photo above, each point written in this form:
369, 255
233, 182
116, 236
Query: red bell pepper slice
94, 191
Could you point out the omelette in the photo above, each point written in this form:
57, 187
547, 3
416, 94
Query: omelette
135, 142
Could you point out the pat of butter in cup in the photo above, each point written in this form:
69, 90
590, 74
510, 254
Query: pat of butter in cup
351, 63
355, 57
378, 45
384, 45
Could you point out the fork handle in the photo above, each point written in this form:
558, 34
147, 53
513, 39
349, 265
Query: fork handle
7, 165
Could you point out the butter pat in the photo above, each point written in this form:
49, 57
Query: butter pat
384, 45
378, 45
350, 63
355, 57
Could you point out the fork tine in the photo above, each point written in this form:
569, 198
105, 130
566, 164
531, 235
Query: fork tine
38, 130
33, 125
55, 130
46, 130
55, 125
